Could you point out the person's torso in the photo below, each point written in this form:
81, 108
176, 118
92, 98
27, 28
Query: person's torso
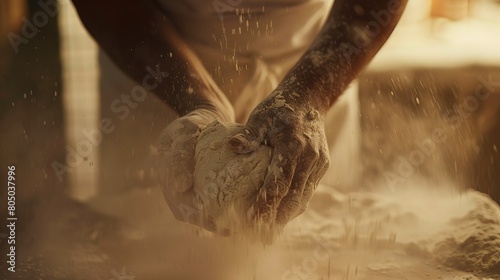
247, 45
266, 27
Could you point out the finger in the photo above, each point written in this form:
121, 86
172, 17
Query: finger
315, 177
278, 178
250, 137
244, 144
292, 202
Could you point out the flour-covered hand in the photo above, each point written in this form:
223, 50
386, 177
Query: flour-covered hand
175, 170
295, 131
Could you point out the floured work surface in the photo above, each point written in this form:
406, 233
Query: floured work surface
416, 230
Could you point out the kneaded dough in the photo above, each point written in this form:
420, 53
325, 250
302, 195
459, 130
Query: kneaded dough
227, 182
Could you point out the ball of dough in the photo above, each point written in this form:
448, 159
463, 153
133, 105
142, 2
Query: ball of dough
227, 182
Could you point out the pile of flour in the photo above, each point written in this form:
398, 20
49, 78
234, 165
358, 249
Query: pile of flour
456, 230
470, 242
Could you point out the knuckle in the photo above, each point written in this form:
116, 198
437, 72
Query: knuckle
323, 151
324, 159
308, 191
308, 148
312, 153
326, 163
309, 144
295, 143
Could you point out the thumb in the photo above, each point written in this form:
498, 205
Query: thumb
246, 141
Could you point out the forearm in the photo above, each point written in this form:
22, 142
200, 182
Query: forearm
353, 33
143, 43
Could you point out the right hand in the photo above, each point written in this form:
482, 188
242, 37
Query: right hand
295, 131
176, 164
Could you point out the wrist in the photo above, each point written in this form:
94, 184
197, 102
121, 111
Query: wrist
302, 99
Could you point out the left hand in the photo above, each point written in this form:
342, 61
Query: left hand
176, 165
300, 155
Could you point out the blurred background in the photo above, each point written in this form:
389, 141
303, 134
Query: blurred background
87, 203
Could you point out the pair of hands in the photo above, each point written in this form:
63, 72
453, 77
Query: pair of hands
299, 159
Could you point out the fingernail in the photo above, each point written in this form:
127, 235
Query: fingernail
240, 144
236, 141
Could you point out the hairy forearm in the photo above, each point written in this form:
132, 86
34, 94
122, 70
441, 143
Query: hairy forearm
143, 43
353, 33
